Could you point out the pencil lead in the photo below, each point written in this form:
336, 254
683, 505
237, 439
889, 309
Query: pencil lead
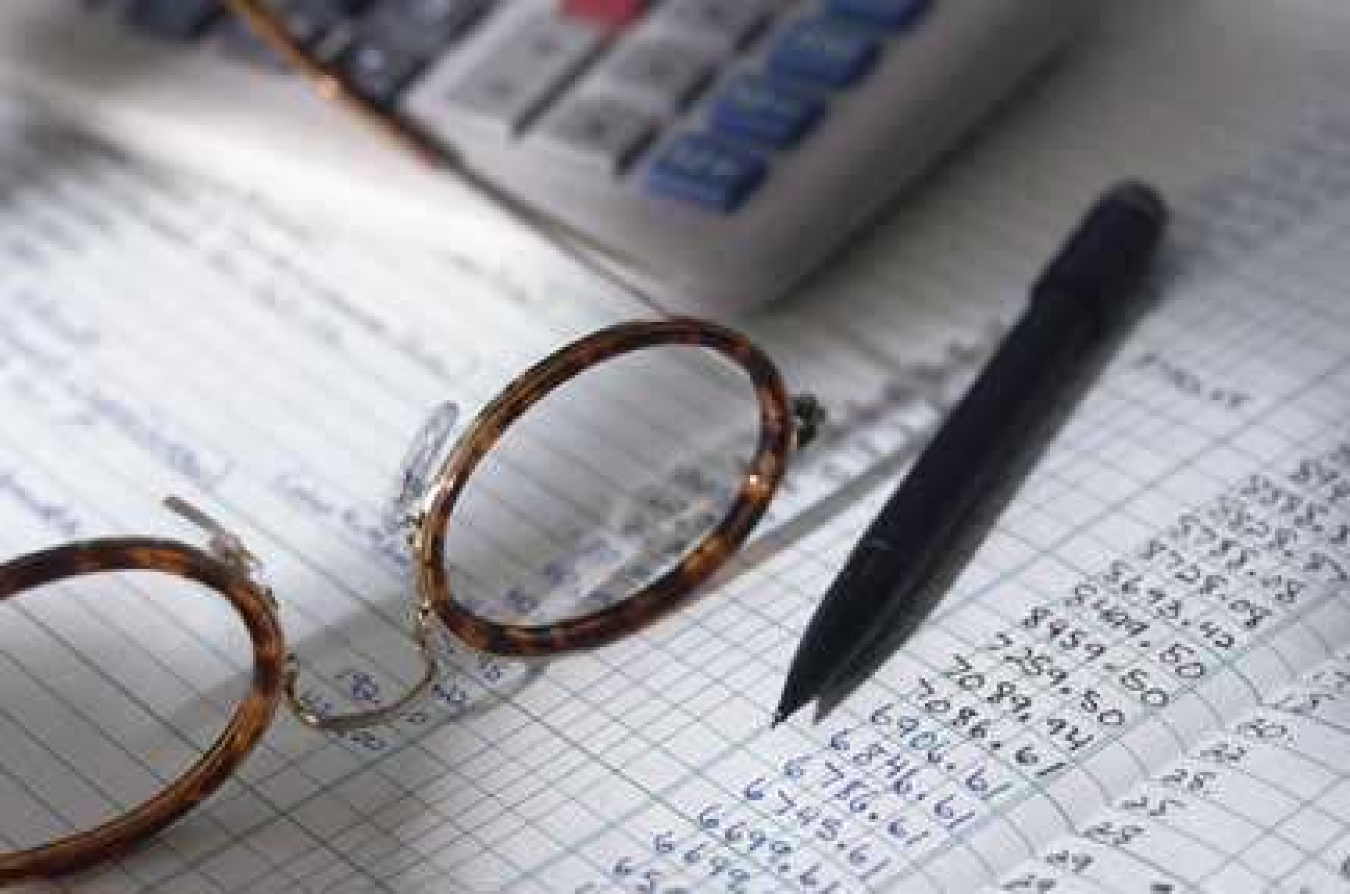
790, 704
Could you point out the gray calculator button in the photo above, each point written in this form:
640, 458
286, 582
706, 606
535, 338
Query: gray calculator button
726, 23
519, 76
597, 131
666, 73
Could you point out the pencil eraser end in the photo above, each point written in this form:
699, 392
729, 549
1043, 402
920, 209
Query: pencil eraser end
1141, 197
1107, 254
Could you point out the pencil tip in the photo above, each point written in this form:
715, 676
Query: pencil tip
786, 708
796, 693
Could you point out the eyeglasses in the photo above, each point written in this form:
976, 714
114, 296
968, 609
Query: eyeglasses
430, 511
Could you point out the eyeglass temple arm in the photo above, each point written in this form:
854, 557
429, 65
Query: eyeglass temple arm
578, 245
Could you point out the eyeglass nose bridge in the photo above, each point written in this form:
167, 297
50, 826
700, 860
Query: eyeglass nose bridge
359, 720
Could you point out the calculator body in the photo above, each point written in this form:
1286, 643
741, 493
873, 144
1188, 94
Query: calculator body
721, 150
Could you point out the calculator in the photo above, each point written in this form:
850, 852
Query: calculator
722, 149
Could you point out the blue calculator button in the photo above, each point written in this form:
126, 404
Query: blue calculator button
824, 50
895, 15
763, 109
706, 171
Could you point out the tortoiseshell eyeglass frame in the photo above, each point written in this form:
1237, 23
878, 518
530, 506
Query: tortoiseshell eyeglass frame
785, 423
251, 718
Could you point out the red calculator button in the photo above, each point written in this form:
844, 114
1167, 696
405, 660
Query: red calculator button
611, 15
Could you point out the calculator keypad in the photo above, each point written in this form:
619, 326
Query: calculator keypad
696, 101
705, 94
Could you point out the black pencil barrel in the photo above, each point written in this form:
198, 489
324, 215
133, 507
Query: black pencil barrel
1073, 301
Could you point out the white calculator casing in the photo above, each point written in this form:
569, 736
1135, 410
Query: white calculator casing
265, 131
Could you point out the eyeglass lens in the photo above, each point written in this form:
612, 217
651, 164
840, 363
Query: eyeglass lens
579, 505
101, 702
